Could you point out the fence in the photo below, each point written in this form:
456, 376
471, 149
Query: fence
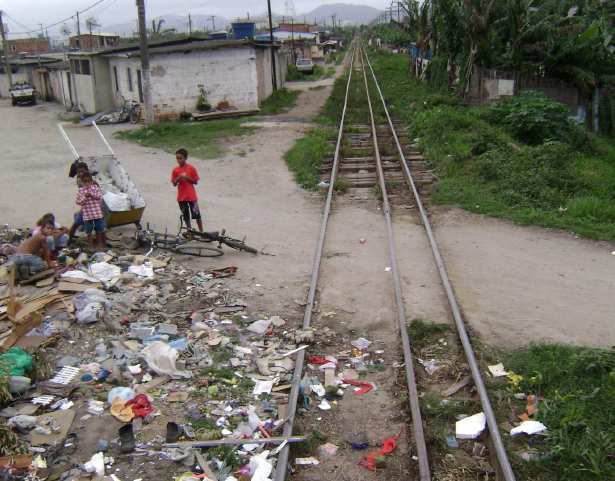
488, 84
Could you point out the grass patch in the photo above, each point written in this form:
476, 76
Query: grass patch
280, 101
305, 158
422, 333
577, 391
202, 140
520, 160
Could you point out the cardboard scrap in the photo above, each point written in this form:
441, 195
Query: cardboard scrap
61, 419
456, 387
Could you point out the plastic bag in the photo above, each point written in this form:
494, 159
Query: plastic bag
15, 362
124, 393
91, 305
161, 359
117, 202
103, 271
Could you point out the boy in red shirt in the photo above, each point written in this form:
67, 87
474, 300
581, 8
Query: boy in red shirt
185, 177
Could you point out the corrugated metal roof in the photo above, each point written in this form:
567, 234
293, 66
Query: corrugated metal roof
185, 47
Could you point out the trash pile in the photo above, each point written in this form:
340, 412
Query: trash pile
123, 365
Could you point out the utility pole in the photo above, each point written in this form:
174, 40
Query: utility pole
273, 67
78, 32
189, 25
5, 49
145, 76
333, 22
292, 39
213, 22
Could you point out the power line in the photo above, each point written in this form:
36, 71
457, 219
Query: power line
55, 24
15, 21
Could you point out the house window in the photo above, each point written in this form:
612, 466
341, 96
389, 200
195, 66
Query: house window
85, 67
117, 84
129, 72
76, 67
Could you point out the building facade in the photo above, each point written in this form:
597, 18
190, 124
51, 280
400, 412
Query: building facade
28, 46
235, 73
95, 41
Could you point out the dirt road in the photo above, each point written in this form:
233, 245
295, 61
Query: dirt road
516, 285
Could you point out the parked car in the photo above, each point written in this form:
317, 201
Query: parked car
23, 93
305, 65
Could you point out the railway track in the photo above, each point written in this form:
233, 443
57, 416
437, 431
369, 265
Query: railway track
373, 155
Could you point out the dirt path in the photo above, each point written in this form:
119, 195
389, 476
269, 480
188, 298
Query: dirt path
521, 284
516, 284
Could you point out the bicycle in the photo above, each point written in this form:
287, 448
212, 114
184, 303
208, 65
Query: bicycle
191, 242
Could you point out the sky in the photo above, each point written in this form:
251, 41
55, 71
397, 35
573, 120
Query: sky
31, 13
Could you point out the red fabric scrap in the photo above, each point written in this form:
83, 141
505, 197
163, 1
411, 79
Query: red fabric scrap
141, 406
318, 360
388, 446
365, 386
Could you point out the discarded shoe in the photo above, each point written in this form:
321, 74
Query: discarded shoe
127, 439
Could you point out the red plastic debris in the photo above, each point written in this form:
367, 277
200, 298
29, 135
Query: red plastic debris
388, 446
365, 386
318, 360
141, 406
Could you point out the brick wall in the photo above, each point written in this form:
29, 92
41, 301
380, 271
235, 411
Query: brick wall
28, 45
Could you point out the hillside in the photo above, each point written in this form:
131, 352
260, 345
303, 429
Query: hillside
345, 13
178, 22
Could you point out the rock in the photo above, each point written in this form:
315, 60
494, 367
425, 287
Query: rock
68, 361
277, 321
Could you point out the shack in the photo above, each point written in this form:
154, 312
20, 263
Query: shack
237, 73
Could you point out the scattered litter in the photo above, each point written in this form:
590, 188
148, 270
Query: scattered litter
96, 464
363, 387
311, 461
471, 427
373, 459
162, 358
361, 343
497, 370
451, 442
430, 366
259, 327
66, 375
328, 450
143, 270
529, 427
324, 405
43, 400
262, 387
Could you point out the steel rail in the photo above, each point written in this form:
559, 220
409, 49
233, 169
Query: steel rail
281, 467
415, 410
500, 450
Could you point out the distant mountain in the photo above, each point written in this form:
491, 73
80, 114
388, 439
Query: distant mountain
178, 22
345, 13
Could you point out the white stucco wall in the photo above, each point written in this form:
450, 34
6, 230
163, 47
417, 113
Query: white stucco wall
85, 90
60, 84
225, 73
122, 65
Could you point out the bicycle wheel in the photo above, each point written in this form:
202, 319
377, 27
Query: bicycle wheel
165, 242
240, 246
199, 250
135, 115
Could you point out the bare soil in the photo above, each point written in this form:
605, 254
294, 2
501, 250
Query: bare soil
516, 285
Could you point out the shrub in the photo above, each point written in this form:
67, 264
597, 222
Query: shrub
540, 176
533, 118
